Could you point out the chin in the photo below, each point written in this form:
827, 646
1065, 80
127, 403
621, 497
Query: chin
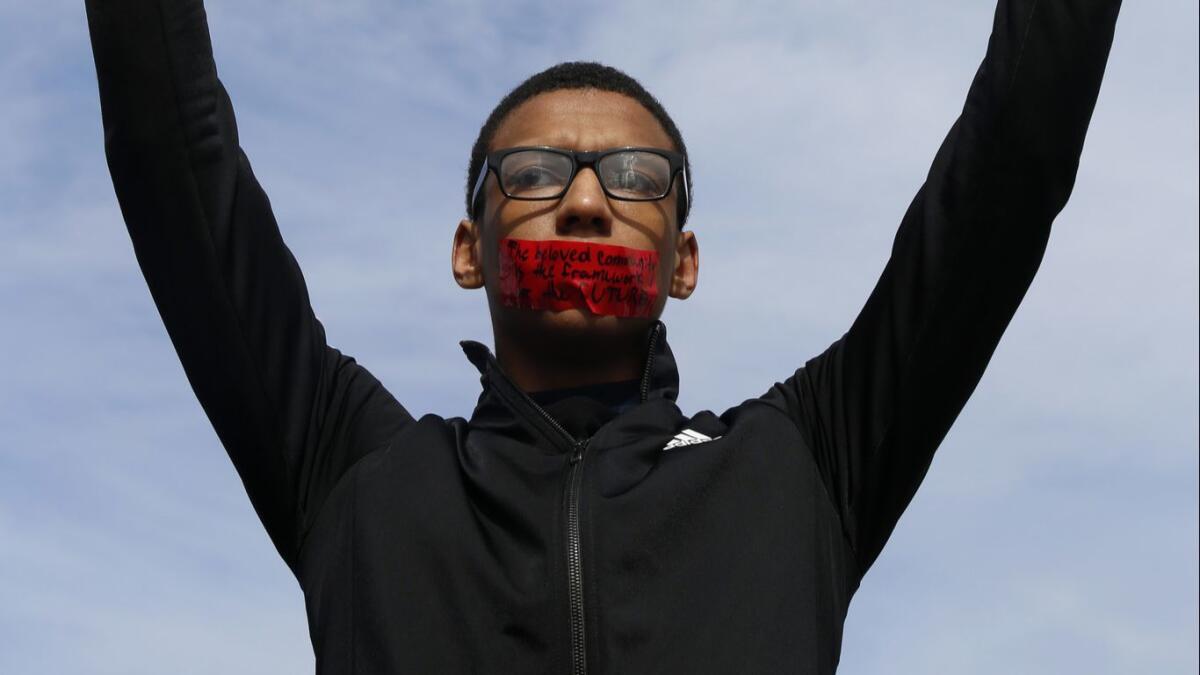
578, 321
572, 325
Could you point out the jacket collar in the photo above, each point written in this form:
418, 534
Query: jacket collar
504, 408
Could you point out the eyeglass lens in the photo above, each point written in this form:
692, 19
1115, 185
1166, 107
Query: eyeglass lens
542, 174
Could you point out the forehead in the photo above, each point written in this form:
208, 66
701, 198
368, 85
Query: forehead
581, 119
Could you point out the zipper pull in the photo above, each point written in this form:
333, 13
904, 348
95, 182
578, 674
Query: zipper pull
577, 455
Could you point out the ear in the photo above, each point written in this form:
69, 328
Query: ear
465, 259
687, 265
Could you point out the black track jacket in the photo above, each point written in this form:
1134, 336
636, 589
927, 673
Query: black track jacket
500, 544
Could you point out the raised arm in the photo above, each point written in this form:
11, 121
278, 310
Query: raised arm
875, 405
292, 412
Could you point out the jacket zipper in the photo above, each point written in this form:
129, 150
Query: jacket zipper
574, 552
575, 563
574, 555
649, 362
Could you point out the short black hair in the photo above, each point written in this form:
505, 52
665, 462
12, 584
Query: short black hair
575, 75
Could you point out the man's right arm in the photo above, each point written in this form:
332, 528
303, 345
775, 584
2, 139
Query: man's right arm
292, 412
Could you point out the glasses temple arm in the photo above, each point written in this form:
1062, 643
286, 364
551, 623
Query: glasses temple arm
483, 172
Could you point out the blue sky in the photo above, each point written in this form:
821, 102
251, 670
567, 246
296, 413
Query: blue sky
1055, 532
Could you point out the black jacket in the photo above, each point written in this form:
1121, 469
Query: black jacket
500, 544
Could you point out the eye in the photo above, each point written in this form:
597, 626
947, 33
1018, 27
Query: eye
631, 180
535, 174
636, 175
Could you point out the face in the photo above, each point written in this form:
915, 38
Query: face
576, 119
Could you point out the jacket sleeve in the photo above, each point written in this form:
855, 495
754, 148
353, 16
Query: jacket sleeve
292, 412
874, 406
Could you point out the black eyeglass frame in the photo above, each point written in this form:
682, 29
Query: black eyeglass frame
585, 159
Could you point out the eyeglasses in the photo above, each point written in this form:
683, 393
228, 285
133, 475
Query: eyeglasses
628, 174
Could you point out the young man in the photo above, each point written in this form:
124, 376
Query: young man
579, 521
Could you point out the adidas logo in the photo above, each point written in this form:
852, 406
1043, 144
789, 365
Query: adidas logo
687, 437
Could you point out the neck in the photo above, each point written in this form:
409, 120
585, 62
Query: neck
538, 362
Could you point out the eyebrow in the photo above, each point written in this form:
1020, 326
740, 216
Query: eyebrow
567, 141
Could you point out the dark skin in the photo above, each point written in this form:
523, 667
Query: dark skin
540, 349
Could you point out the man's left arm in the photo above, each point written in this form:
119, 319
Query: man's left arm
876, 404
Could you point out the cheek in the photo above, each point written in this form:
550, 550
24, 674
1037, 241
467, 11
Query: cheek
642, 224
666, 264
516, 219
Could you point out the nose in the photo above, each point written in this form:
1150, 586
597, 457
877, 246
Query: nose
584, 209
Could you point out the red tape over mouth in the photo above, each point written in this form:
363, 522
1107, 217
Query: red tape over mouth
557, 275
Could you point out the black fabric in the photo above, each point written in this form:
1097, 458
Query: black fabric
437, 545
619, 396
583, 410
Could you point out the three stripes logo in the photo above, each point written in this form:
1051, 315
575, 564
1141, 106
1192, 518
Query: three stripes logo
687, 437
